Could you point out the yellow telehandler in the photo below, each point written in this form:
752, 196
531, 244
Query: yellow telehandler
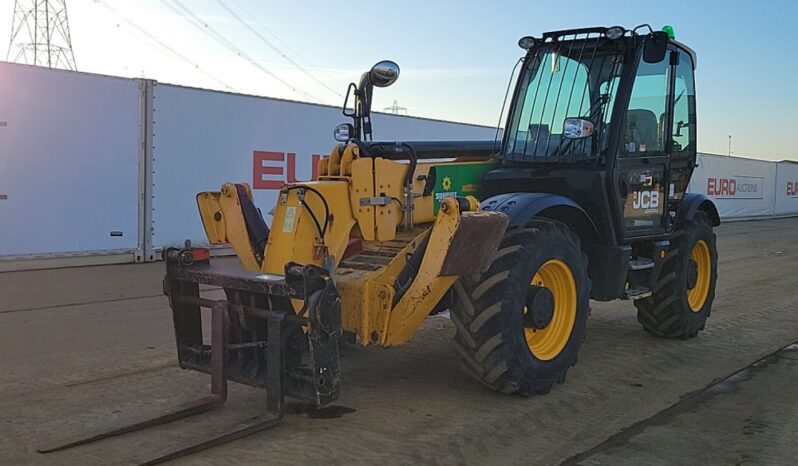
584, 197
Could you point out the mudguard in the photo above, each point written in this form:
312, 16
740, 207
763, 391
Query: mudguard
692, 203
521, 207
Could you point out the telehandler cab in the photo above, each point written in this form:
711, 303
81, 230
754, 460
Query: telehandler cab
584, 198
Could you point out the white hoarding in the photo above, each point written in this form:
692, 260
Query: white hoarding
740, 187
69, 152
787, 188
202, 139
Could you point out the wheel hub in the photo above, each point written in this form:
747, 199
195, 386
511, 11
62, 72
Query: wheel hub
540, 307
692, 274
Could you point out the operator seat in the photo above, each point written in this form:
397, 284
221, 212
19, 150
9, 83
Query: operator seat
642, 128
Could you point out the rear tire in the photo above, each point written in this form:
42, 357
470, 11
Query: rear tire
495, 337
680, 303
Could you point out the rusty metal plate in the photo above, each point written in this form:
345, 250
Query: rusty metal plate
235, 278
476, 240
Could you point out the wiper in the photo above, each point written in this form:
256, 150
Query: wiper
679, 96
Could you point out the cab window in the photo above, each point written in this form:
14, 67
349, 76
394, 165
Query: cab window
683, 133
684, 106
646, 117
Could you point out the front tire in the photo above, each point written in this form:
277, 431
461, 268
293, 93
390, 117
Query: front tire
520, 325
682, 297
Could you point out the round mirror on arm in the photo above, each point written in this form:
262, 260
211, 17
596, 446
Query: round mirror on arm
384, 73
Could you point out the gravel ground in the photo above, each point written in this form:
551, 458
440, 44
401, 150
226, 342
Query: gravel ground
82, 347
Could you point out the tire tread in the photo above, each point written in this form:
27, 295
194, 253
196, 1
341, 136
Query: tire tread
484, 338
665, 313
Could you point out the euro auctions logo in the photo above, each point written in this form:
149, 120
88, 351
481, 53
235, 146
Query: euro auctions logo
735, 187
792, 189
270, 170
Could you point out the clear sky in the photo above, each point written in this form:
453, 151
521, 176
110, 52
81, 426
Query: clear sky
455, 56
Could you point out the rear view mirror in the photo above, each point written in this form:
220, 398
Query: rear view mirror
384, 73
655, 47
577, 128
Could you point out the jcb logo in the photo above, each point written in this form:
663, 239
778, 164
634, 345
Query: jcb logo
270, 170
645, 200
792, 188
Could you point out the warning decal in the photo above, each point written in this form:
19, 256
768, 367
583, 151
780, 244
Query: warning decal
290, 219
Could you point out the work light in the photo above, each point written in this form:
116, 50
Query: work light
526, 42
615, 32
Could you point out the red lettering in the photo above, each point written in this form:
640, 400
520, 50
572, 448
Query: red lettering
721, 187
290, 165
271, 163
259, 169
315, 167
711, 186
792, 188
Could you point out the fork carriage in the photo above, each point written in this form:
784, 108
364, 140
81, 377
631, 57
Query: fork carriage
303, 364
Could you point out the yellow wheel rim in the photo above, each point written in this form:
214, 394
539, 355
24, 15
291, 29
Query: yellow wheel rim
697, 296
545, 344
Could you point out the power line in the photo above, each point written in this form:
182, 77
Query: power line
286, 45
274, 47
164, 45
207, 29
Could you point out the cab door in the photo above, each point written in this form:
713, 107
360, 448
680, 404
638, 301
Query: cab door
642, 168
683, 131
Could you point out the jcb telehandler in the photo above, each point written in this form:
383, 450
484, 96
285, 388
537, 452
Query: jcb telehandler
584, 198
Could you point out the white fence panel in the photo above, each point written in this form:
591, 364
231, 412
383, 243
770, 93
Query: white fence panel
203, 139
740, 187
69, 154
787, 188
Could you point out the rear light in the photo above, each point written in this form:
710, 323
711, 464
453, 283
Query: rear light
201, 254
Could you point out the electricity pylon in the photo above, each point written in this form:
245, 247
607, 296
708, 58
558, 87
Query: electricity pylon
40, 34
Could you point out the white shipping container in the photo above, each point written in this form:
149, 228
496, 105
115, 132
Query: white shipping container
69, 154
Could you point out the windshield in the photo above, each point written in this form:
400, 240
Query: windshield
573, 79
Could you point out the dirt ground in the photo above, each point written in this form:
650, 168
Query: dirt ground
83, 347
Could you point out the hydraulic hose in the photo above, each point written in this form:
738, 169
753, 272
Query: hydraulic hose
321, 229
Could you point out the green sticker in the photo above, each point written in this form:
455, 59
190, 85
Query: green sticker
458, 179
